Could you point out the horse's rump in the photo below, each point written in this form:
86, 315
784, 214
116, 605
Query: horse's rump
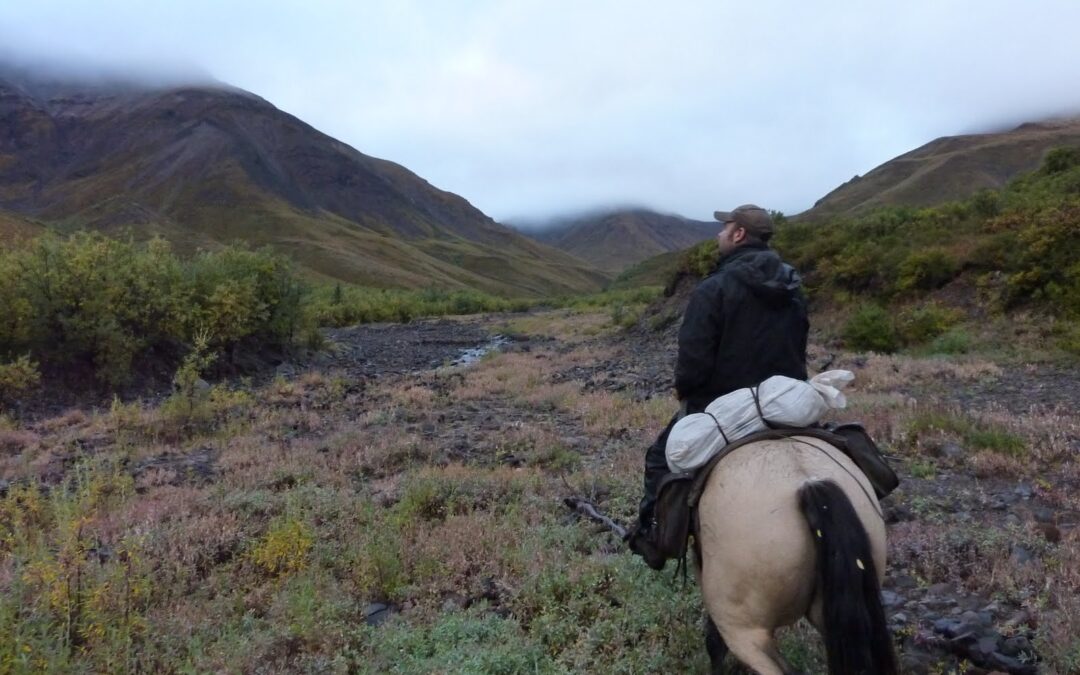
758, 558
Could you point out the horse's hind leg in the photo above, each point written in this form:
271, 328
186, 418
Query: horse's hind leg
716, 647
756, 649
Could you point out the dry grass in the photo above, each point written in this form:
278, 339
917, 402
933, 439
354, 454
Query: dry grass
567, 325
888, 373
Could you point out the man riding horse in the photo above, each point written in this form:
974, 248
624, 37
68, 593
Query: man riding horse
745, 322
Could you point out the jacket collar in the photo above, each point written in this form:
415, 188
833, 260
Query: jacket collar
739, 252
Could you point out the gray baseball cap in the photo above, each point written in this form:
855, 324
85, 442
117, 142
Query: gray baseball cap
753, 218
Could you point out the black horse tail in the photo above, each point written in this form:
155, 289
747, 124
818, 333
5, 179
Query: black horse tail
857, 641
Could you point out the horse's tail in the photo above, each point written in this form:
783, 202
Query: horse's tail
857, 641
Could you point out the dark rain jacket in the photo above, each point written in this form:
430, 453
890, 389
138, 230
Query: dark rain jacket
744, 323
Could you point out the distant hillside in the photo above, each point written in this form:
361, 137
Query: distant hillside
13, 227
655, 271
208, 165
613, 241
947, 169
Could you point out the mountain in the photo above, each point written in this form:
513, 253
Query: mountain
615, 240
949, 168
210, 164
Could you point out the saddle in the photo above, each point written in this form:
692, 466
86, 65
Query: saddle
678, 494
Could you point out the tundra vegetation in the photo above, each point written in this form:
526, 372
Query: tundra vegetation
413, 523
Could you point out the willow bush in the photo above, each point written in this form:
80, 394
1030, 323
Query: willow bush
91, 301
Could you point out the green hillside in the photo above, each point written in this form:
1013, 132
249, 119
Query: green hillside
948, 169
939, 277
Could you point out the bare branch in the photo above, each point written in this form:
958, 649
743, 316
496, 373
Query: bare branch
586, 508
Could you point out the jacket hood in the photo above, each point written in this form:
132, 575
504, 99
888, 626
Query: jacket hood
760, 269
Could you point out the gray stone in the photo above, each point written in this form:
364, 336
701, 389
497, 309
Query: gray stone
984, 648
950, 450
890, 599
1020, 618
1017, 645
1020, 555
900, 618
376, 613
1023, 491
942, 588
286, 370
1042, 514
950, 628
977, 619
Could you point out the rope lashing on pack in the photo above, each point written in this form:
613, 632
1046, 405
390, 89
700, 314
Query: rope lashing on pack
718, 427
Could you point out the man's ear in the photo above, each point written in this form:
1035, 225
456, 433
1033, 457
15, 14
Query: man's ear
738, 235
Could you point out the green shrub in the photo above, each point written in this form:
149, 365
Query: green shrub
16, 377
922, 469
1060, 160
91, 301
870, 328
285, 548
974, 432
927, 269
996, 440
476, 641
1027, 234
986, 203
954, 341
916, 325
701, 259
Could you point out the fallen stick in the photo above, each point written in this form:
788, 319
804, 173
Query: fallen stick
588, 509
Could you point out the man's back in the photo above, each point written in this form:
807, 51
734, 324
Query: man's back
744, 323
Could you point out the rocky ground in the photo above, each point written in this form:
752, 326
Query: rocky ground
980, 546
938, 624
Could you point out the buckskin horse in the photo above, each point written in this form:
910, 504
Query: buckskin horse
789, 528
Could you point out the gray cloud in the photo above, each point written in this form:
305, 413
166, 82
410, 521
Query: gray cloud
530, 108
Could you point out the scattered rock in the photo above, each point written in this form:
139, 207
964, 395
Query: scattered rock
977, 619
898, 513
949, 450
1041, 514
1015, 646
1020, 555
984, 648
942, 588
376, 613
890, 599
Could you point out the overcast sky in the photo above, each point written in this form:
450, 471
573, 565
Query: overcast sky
533, 108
